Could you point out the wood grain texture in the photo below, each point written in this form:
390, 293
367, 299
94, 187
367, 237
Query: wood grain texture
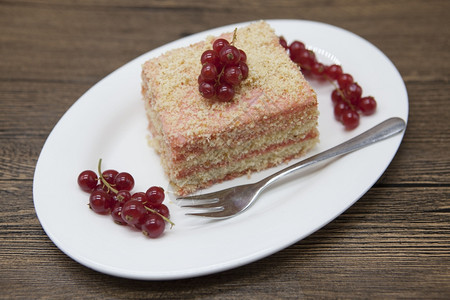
393, 243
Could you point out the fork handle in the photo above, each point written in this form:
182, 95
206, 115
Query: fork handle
378, 133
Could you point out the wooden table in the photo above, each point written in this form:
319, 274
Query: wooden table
393, 243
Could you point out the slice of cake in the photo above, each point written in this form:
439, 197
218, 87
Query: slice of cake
271, 119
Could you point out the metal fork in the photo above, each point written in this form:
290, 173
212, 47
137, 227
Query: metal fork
232, 201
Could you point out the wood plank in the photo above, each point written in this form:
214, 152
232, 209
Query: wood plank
393, 243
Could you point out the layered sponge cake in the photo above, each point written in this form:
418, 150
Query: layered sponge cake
271, 119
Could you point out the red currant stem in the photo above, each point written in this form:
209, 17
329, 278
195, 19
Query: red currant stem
106, 183
219, 76
234, 37
164, 218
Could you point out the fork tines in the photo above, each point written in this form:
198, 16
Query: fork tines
203, 203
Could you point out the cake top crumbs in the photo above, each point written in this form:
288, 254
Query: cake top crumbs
274, 84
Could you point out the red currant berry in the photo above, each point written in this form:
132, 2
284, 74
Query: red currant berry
209, 72
318, 69
295, 49
243, 57
109, 175
225, 92
339, 108
283, 42
200, 79
244, 69
344, 80
102, 187
219, 44
124, 181
232, 75
229, 55
133, 211
87, 180
353, 93
207, 90
336, 96
139, 196
297, 57
155, 196
306, 59
367, 105
163, 210
333, 71
116, 214
122, 196
153, 225
305, 71
210, 56
312, 57
350, 119
100, 202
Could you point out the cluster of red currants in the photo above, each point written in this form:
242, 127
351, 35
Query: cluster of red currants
346, 97
223, 68
110, 193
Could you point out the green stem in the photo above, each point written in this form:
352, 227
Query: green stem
106, 183
234, 37
165, 219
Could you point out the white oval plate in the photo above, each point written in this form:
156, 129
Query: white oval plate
109, 122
